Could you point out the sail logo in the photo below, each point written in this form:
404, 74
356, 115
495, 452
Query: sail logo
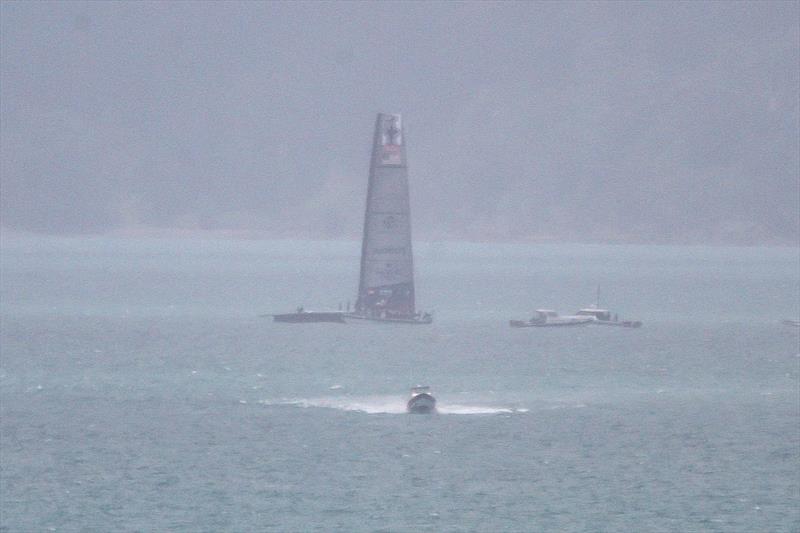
391, 140
391, 155
392, 131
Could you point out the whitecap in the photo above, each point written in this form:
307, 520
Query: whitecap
456, 409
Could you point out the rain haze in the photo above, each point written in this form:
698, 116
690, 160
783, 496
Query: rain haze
581, 122
214, 317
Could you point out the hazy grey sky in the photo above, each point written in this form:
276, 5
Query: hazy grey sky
662, 122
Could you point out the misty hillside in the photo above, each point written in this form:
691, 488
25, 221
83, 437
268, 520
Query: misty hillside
626, 122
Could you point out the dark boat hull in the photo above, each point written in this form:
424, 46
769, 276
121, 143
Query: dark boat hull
397, 320
310, 316
421, 404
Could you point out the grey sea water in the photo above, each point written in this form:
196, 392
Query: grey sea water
141, 391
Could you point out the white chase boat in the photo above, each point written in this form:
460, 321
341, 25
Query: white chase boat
602, 317
548, 318
421, 401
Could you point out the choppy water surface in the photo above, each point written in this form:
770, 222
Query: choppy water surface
140, 390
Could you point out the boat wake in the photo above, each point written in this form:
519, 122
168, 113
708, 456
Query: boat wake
389, 405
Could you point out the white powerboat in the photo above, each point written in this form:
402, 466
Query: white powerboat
421, 401
602, 317
549, 318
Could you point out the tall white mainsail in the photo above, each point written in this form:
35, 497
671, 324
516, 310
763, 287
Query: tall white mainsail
386, 284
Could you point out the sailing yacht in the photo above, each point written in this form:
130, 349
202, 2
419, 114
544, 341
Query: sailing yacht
386, 281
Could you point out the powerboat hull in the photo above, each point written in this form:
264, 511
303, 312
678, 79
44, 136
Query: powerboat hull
619, 323
423, 403
547, 318
558, 324
602, 317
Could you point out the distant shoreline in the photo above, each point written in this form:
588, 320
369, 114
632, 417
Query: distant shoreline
261, 235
